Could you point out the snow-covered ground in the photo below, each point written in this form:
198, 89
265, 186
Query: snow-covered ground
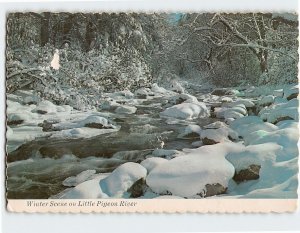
225, 144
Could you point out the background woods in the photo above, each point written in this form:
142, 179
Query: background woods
104, 51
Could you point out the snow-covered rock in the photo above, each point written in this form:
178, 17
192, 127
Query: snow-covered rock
282, 111
291, 92
190, 131
123, 109
176, 86
122, 178
184, 97
45, 107
278, 93
266, 100
151, 163
155, 88
97, 122
16, 118
168, 154
186, 111
87, 190
222, 134
189, 175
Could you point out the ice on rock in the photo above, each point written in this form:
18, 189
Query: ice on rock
187, 176
151, 163
80, 178
190, 131
124, 109
122, 178
186, 111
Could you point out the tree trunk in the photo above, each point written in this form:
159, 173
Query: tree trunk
45, 28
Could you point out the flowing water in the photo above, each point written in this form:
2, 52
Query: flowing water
37, 169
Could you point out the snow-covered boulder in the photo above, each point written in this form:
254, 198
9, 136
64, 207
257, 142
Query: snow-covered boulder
16, 118
45, 107
152, 162
78, 179
156, 89
87, 190
143, 93
190, 175
224, 91
278, 93
190, 131
291, 92
266, 100
279, 112
97, 122
215, 125
109, 104
168, 154
248, 163
122, 178
176, 87
178, 99
186, 111
124, 109
222, 134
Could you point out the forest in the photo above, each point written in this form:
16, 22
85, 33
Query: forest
112, 104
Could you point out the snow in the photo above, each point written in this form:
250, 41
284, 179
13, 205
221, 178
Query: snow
123, 109
87, 190
215, 125
266, 100
280, 111
190, 129
186, 176
96, 120
219, 135
151, 163
176, 86
254, 155
186, 111
155, 88
55, 60
288, 91
122, 178
46, 107
278, 93
168, 154
80, 178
